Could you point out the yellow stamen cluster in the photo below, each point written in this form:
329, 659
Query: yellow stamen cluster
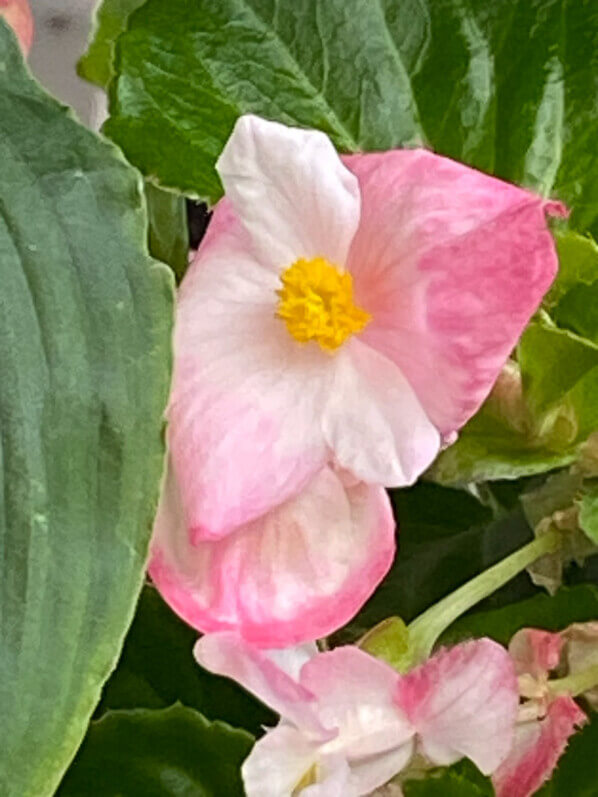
316, 303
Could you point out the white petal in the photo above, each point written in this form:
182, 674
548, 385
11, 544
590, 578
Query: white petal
291, 192
374, 422
246, 399
278, 762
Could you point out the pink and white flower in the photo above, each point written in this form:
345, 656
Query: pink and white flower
357, 310
18, 15
349, 723
348, 312
546, 721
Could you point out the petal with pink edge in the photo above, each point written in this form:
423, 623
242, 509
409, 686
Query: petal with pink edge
537, 748
374, 422
463, 703
296, 574
355, 693
535, 651
227, 654
451, 264
291, 191
278, 763
244, 412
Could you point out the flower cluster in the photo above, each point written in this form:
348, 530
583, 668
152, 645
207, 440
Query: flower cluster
342, 319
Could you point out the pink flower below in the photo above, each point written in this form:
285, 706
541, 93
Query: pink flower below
546, 721
349, 723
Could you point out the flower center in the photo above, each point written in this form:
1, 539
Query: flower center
316, 303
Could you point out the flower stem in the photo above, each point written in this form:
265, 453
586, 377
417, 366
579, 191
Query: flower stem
425, 630
575, 684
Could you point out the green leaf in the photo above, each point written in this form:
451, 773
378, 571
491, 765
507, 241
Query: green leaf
577, 604
578, 262
588, 514
445, 537
505, 89
553, 362
560, 377
462, 779
504, 440
168, 230
170, 753
577, 771
157, 669
85, 328
110, 20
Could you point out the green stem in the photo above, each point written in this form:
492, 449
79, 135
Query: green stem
575, 684
425, 630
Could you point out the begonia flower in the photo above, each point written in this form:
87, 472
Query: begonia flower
356, 310
349, 722
546, 721
295, 574
17, 14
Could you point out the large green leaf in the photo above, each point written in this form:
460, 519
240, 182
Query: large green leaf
157, 669
170, 753
85, 324
508, 87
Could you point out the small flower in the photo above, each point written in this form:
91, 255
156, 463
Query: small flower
349, 723
546, 720
18, 15
354, 310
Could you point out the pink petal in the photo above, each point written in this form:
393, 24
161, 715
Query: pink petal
244, 427
227, 654
451, 264
535, 651
291, 192
463, 702
278, 762
537, 748
17, 14
374, 422
355, 694
298, 573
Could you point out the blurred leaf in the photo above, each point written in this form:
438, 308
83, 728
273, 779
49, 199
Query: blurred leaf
174, 752
110, 20
553, 363
553, 613
588, 514
462, 779
168, 230
157, 669
509, 88
85, 329
578, 262
577, 771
